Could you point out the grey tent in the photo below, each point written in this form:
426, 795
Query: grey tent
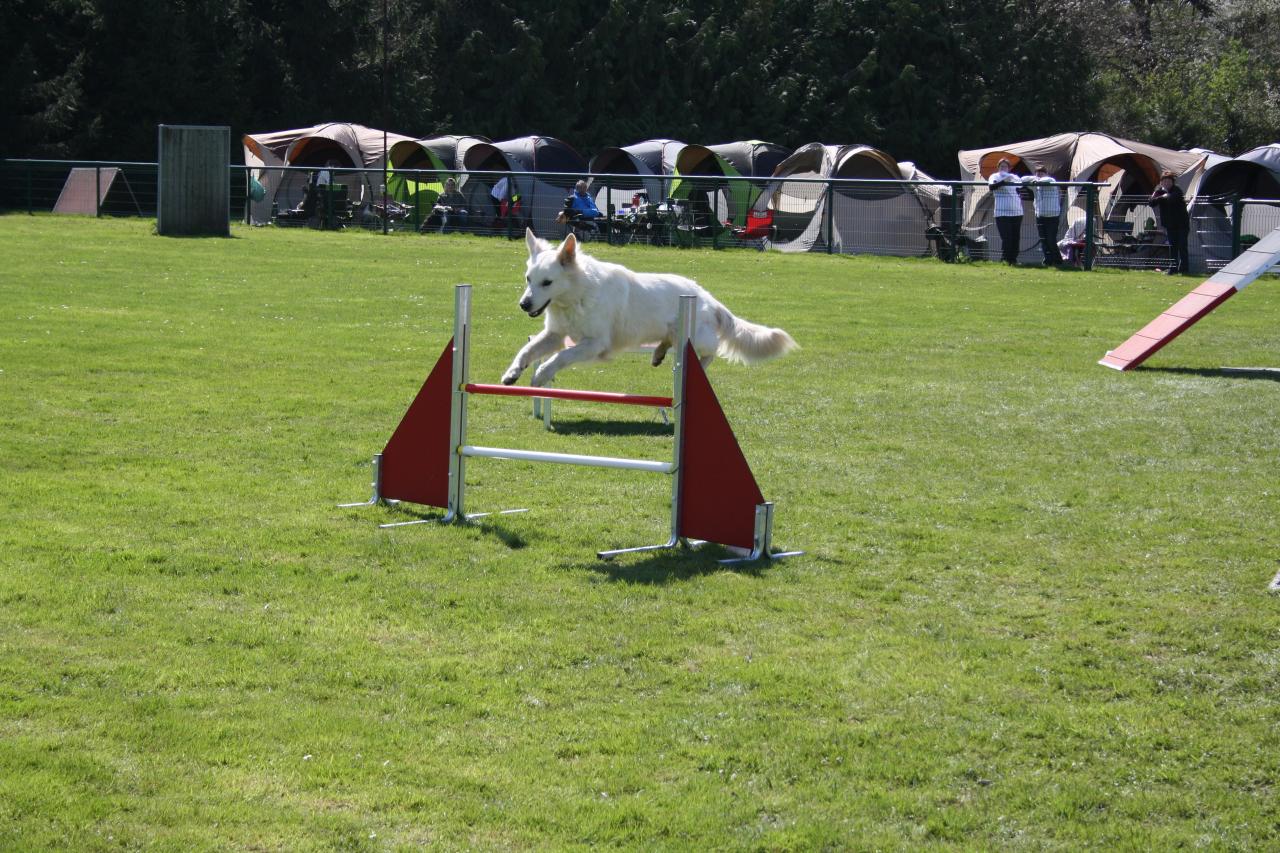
1253, 175
885, 217
651, 161
542, 198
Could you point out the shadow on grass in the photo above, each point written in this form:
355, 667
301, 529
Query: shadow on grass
1271, 374
678, 564
591, 426
228, 236
486, 525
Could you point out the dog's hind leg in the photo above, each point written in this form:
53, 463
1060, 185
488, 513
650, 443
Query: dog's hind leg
660, 352
584, 350
541, 344
705, 344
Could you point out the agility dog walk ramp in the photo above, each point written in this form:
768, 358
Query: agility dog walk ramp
714, 495
1187, 311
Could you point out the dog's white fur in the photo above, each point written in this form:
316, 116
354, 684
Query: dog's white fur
606, 308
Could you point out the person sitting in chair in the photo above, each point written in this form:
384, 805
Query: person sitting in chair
580, 208
449, 211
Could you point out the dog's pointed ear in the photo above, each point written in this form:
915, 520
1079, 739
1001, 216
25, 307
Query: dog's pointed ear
568, 250
535, 245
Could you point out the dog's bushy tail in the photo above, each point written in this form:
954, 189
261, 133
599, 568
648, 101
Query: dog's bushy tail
747, 343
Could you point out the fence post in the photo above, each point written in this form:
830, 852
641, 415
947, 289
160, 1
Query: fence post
608, 211
97, 191
1237, 212
954, 225
1091, 199
831, 218
29, 209
510, 199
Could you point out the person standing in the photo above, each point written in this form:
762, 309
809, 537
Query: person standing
1004, 186
1171, 205
1048, 198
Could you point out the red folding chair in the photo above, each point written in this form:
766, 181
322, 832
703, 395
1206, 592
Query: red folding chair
759, 227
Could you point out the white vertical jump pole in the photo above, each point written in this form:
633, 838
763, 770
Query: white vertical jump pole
457, 418
684, 331
458, 410
376, 498
458, 406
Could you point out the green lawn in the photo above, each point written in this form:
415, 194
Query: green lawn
1033, 612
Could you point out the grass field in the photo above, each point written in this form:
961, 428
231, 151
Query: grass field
1033, 612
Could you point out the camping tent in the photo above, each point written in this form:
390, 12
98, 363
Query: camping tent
418, 168
541, 198
701, 170
263, 154
885, 217
650, 161
351, 146
1254, 174
1129, 169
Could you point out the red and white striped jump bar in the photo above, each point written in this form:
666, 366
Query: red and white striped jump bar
568, 394
1184, 313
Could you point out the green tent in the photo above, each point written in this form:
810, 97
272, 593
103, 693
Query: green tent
418, 168
701, 170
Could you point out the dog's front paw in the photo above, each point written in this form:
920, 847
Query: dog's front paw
511, 376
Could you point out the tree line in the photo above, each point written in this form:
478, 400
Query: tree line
91, 79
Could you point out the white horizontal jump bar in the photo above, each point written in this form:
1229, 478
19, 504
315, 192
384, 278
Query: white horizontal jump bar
569, 459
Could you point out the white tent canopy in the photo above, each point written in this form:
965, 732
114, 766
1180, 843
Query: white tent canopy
1128, 168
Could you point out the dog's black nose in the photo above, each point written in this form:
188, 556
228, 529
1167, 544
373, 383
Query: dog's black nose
526, 304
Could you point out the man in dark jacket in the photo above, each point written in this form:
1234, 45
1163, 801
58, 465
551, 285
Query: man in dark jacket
1171, 204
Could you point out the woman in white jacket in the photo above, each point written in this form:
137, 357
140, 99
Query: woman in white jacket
1004, 186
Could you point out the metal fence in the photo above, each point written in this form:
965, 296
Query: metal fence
1223, 227
948, 220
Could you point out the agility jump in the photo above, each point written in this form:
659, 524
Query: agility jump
714, 495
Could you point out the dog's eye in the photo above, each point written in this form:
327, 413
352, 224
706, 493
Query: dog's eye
546, 282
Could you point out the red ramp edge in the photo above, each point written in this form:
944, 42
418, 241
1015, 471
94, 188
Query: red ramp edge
718, 492
1184, 313
1176, 319
415, 462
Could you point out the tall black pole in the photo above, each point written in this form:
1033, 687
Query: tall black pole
385, 118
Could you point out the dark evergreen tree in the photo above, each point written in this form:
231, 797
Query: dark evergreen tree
918, 78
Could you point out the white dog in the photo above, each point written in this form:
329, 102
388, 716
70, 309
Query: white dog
606, 308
